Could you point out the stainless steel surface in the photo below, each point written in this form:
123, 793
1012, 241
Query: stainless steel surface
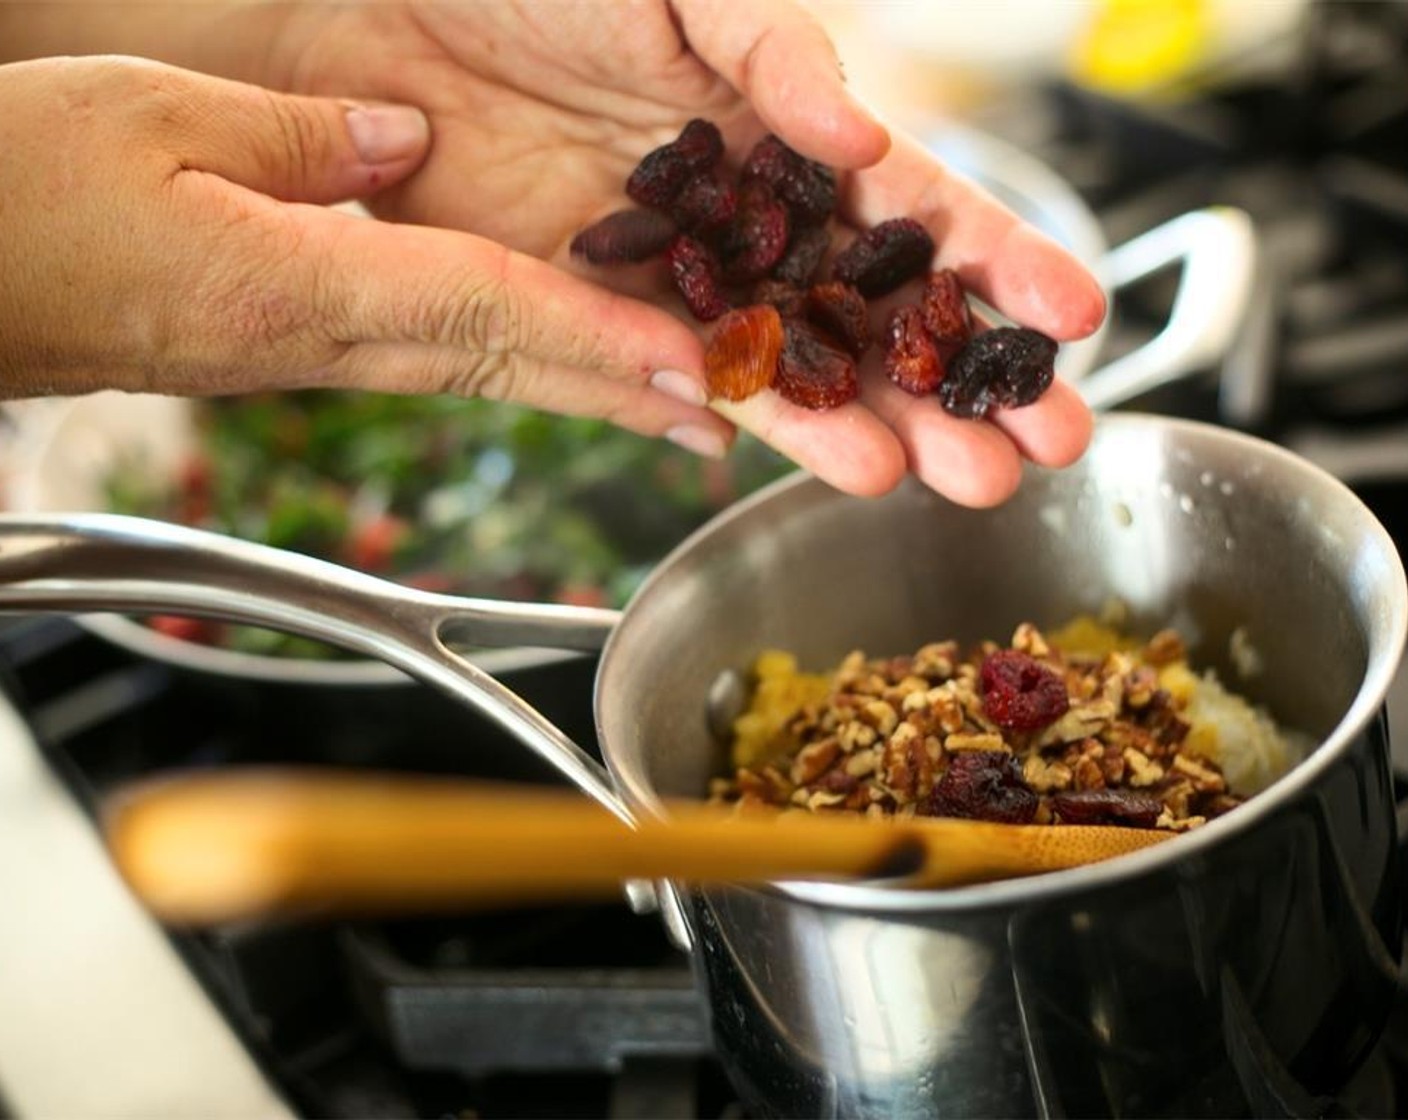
1216, 249
105, 562
861, 1001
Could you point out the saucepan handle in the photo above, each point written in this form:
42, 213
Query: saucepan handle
75, 563
1217, 250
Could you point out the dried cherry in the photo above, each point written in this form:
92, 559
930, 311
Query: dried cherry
742, 356
1020, 693
790, 301
1126, 807
805, 252
757, 238
805, 187
661, 175
811, 372
625, 237
983, 786
885, 256
704, 203
945, 306
912, 360
1006, 367
696, 273
840, 311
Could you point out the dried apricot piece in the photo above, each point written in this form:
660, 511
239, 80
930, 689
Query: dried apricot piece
625, 237
840, 311
811, 372
912, 360
742, 356
884, 257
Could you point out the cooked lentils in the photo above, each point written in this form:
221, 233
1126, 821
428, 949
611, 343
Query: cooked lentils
1025, 734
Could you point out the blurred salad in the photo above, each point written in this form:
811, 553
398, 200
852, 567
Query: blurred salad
464, 496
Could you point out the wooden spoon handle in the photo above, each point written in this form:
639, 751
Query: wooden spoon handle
220, 847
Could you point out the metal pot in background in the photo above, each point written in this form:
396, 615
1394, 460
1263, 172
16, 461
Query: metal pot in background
1247, 967
66, 457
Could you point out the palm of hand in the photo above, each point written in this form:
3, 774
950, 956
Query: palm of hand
535, 128
539, 113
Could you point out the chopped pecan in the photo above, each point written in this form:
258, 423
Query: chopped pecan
1029, 640
1164, 648
975, 741
814, 761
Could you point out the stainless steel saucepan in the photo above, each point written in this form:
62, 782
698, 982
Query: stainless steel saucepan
1244, 967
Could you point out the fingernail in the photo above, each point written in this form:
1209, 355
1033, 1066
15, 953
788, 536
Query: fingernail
701, 441
679, 385
382, 133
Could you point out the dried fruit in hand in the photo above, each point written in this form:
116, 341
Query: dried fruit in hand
983, 786
805, 187
885, 256
704, 203
805, 252
664, 172
840, 311
790, 302
1107, 806
945, 306
625, 237
812, 373
912, 360
1020, 693
742, 357
1006, 367
696, 273
757, 239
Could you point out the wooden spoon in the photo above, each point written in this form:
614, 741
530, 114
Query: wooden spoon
240, 844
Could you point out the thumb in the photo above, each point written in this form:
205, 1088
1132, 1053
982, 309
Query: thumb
295, 148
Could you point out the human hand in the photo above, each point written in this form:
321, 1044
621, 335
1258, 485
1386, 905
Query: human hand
540, 112
156, 234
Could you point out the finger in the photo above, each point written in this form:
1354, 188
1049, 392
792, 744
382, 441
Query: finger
969, 462
306, 149
407, 367
1002, 259
1054, 431
780, 58
847, 447
379, 282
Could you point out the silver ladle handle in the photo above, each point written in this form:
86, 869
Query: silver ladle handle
73, 563
1218, 251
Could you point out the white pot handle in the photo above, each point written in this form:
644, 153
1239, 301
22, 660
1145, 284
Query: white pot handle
1217, 248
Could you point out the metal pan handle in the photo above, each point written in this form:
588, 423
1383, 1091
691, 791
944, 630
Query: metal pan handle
74, 563
1217, 248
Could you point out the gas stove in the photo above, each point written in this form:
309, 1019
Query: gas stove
590, 1010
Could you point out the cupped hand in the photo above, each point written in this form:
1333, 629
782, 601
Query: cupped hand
539, 113
165, 231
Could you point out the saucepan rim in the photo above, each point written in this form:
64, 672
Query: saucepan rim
1367, 705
